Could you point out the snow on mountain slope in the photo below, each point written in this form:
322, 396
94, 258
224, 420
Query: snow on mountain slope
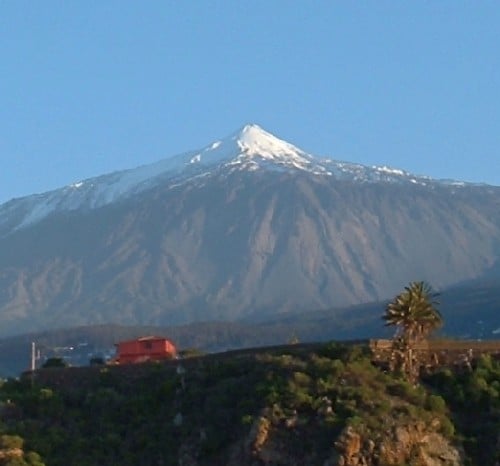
251, 148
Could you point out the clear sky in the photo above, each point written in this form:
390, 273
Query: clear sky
89, 87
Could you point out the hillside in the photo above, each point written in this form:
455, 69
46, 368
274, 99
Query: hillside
322, 404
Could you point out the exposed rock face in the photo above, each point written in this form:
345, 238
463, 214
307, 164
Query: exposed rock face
413, 445
269, 443
266, 444
10, 454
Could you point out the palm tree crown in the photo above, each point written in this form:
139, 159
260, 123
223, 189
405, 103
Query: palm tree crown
414, 312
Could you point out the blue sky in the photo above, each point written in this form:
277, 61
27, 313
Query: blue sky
95, 86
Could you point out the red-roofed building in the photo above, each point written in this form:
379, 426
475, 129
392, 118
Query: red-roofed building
144, 349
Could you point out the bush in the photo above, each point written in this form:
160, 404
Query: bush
54, 362
333, 350
46, 393
357, 353
355, 421
11, 442
33, 459
447, 428
247, 419
436, 403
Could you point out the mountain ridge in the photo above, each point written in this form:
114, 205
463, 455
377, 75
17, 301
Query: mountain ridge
250, 148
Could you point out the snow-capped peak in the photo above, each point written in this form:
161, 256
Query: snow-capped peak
249, 149
253, 140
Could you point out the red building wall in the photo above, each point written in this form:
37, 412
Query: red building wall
145, 349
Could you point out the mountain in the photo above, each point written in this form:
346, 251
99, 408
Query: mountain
249, 226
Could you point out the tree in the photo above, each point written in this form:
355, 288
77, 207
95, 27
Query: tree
54, 362
415, 315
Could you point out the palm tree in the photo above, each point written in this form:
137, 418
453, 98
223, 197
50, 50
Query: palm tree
415, 315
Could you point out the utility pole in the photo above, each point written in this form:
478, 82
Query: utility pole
33, 363
33, 356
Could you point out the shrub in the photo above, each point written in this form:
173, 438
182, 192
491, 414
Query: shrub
333, 350
33, 459
436, 403
247, 419
54, 362
355, 421
301, 379
337, 367
357, 353
447, 428
11, 442
46, 393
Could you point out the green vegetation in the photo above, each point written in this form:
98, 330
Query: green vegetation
54, 362
205, 407
474, 399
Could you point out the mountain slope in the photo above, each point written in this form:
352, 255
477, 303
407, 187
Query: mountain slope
253, 226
